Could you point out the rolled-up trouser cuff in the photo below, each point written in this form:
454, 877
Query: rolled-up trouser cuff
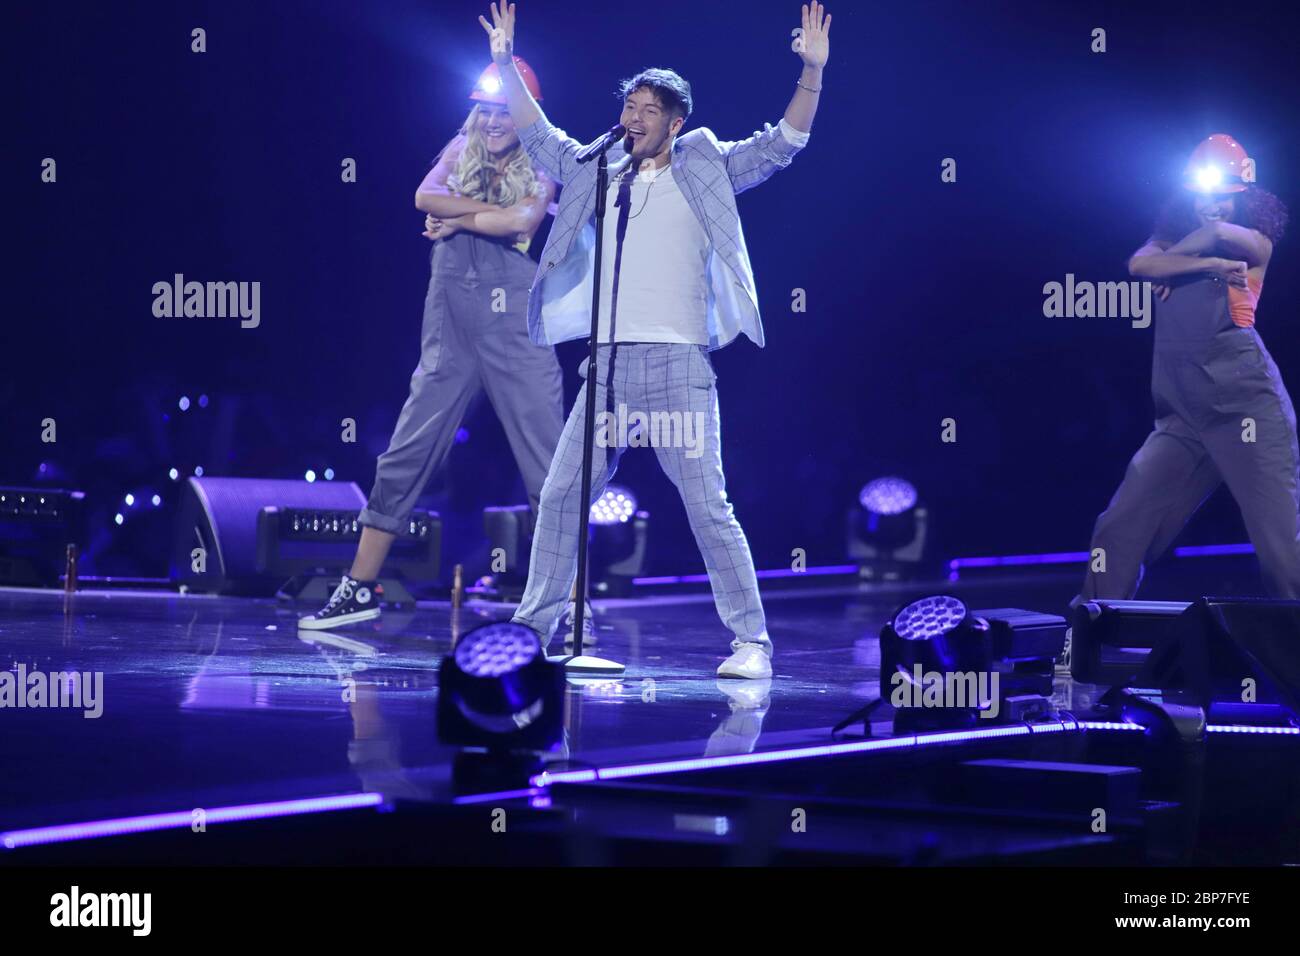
373, 519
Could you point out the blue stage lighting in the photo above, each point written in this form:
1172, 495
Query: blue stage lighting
888, 496
496, 650
937, 632
887, 529
184, 403
619, 536
498, 690
311, 475
929, 618
615, 506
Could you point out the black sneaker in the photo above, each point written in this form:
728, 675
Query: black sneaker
353, 601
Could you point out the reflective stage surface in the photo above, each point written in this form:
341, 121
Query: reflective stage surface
211, 702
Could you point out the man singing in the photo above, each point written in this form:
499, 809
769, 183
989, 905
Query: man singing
675, 284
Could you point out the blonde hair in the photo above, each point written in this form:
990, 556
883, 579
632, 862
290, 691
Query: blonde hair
475, 168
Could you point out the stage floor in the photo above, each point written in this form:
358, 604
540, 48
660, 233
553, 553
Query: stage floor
217, 702
212, 701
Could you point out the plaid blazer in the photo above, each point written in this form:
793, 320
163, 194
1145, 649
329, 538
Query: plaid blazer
710, 172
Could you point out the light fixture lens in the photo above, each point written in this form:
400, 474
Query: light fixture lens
929, 618
887, 496
614, 506
496, 649
1208, 177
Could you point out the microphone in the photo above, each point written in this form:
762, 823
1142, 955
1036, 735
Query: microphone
615, 133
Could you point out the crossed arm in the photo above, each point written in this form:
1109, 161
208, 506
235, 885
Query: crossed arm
1227, 239
521, 219
1155, 261
1241, 249
449, 213
1203, 250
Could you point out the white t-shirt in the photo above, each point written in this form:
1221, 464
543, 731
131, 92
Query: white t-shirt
662, 264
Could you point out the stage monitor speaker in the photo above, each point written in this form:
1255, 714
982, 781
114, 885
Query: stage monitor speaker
294, 541
1231, 650
215, 545
36, 527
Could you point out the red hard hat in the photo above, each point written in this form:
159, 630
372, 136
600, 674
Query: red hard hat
488, 88
1216, 166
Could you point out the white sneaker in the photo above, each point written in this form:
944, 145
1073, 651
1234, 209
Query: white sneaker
588, 626
749, 661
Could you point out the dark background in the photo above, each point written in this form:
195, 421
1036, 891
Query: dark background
924, 298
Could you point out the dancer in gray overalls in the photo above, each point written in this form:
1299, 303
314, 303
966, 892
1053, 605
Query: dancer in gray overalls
1222, 412
484, 200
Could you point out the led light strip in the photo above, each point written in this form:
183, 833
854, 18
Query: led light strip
956, 565
14, 839
546, 778
1250, 729
63, 833
763, 574
470, 798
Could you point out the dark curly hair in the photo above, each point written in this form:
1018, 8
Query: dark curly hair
1254, 208
670, 89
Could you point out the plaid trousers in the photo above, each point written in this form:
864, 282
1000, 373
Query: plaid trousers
652, 379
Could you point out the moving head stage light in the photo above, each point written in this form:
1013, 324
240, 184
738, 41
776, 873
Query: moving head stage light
619, 533
947, 665
1235, 657
886, 530
497, 690
943, 665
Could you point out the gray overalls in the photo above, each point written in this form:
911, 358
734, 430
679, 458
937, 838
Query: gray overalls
475, 333
1208, 376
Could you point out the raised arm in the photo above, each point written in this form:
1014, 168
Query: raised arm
814, 47
501, 38
751, 161
548, 147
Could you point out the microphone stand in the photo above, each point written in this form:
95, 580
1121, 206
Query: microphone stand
580, 664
